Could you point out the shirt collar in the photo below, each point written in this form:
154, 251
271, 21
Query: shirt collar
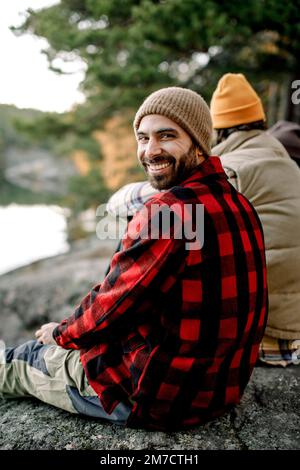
211, 166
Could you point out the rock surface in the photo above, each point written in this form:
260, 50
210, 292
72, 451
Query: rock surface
49, 289
267, 418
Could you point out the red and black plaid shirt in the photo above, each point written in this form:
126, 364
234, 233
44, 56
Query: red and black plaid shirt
176, 332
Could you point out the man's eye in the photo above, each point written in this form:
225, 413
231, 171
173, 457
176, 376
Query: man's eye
166, 136
142, 138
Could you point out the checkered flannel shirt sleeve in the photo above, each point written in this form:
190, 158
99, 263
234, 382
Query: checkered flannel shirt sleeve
132, 270
130, 199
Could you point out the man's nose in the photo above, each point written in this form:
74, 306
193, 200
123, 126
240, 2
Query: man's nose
153, 148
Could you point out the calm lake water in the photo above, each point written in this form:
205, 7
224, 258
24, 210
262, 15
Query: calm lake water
29, 233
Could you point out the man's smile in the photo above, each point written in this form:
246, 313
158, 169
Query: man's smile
158, 168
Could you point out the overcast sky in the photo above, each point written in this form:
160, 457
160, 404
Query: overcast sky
25, 79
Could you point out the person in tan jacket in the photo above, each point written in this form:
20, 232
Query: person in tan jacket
258, 166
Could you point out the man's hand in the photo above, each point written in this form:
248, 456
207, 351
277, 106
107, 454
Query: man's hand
44, 334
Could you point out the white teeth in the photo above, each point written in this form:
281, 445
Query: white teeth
158, 166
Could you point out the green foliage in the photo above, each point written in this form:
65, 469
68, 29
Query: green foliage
9, 115
9, 135
28, 129
90, 188
131, 47
11, 193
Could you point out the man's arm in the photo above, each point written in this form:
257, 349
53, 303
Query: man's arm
132, 271
130, 199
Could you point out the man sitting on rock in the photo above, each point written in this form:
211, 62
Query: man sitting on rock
259, 167
171, 336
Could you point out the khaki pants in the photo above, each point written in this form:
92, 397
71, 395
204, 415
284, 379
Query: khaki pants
55, 376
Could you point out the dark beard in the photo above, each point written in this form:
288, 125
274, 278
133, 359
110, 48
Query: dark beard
179, 171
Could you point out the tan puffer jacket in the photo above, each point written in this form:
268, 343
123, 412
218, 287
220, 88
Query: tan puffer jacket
259, 167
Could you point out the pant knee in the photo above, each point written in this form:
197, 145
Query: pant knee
30, 352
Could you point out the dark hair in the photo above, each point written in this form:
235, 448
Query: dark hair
196, 145
223, 134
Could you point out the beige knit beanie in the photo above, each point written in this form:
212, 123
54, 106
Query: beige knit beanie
183, 106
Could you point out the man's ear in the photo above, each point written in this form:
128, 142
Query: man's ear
199, 154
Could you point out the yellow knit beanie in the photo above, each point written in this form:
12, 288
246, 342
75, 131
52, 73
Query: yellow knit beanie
235, 102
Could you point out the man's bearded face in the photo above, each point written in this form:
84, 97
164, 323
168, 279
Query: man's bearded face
166, 151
